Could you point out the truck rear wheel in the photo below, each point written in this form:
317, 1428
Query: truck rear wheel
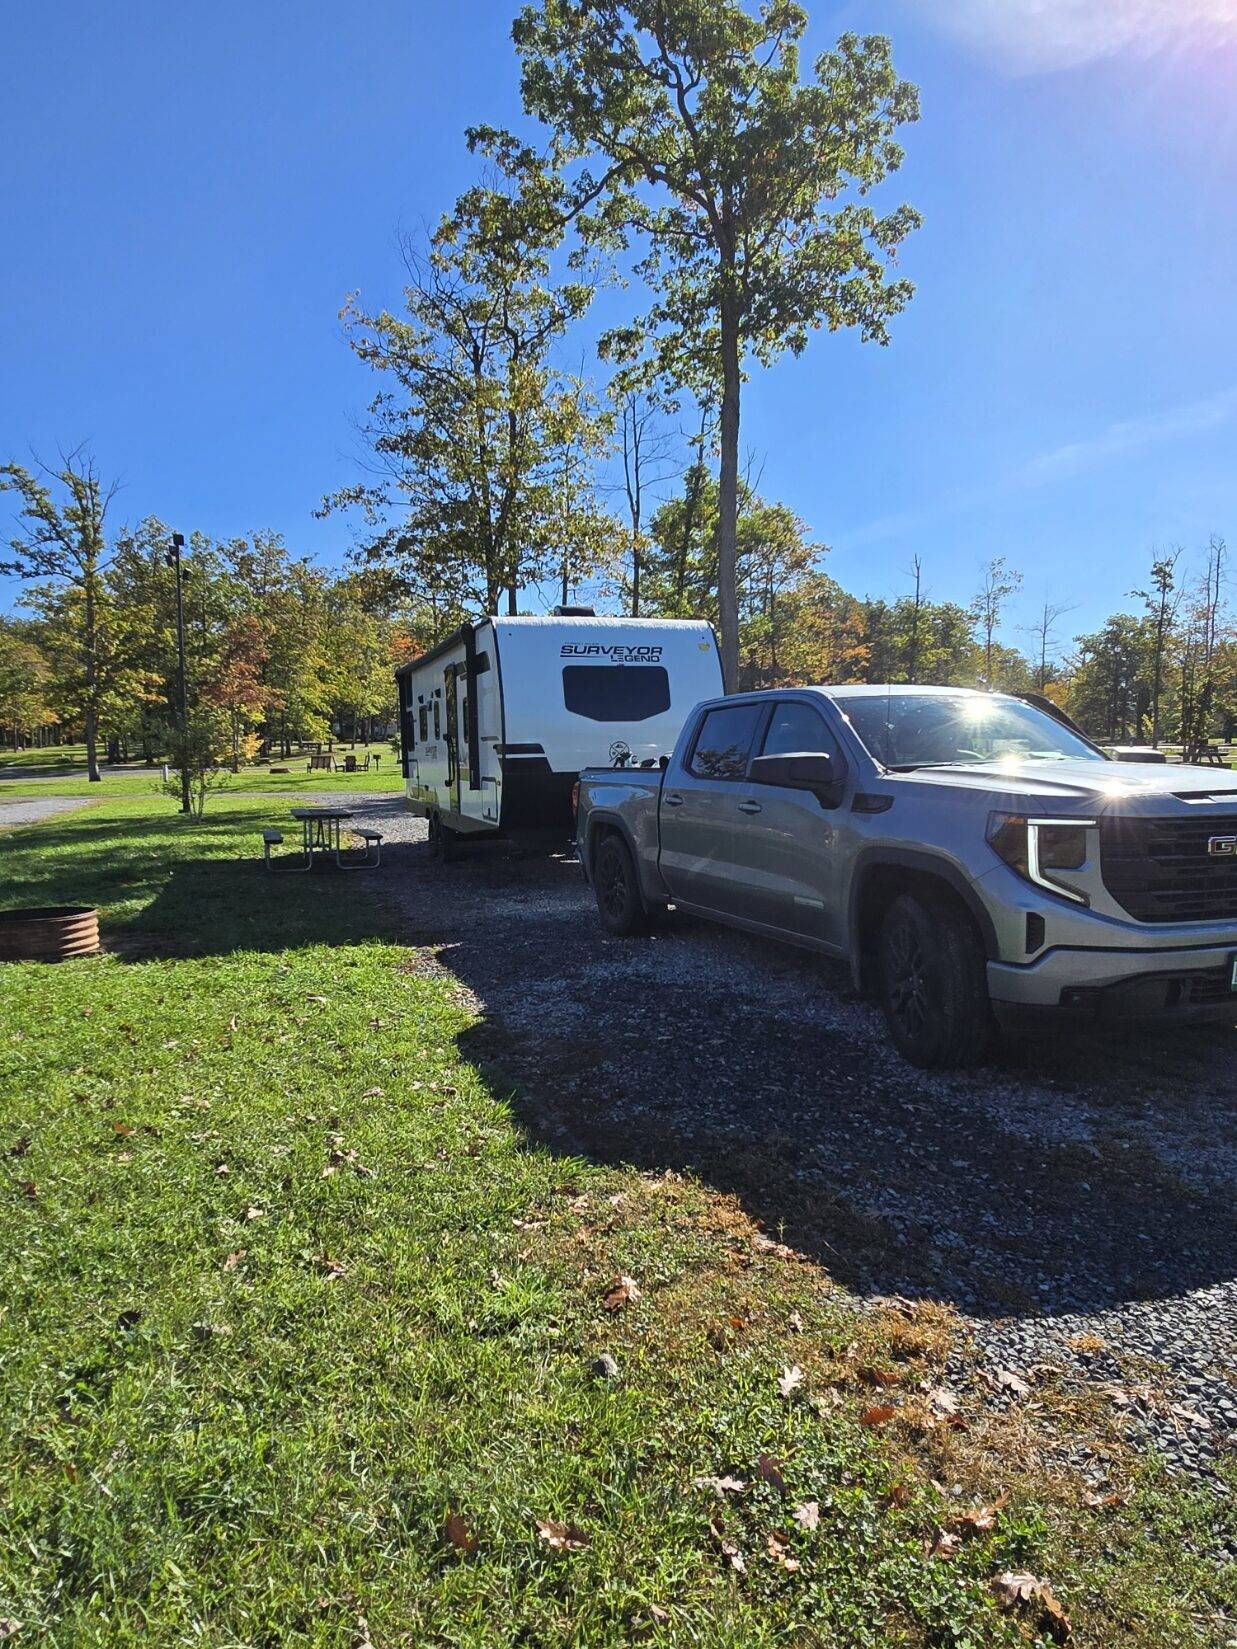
619, 902
933, 983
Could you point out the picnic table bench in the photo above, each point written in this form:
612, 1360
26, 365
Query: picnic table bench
321, 838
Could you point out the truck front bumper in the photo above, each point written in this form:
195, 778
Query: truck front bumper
1089, 985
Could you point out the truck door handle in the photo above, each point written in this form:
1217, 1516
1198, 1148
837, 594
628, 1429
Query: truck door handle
750, 807
673, 799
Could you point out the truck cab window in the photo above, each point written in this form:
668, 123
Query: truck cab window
724, 741
797, 729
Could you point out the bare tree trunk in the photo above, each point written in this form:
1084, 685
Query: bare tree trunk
91, 715
728, 489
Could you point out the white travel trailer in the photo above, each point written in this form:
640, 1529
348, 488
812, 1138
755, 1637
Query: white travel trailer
498, 719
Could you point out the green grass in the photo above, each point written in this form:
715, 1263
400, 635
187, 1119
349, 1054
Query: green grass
62, 772
283, 1286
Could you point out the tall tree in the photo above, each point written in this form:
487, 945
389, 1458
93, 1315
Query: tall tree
469, 436
1163, 602
61, 540
686, 123
1000, 582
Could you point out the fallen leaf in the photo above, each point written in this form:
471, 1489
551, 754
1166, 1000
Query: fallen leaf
1095, 1501
943, 1401
879, 1377
459, 1535
729, 1550
255, 1213
1007, 1380
30, 1188
1191, 1416
790, 1380
721, 1485
605, 1367
766, 1245
795, 1323
943, 1543
899, 1495
122, 1128
372, 1093
1020, 1590
808, 1514
9, 1628
779, 1550
622, 1291
233, 1260
561, 1537
877, 1415
982, 1519
769, 1470
20, 1146
333, 1268
316, 999
221, 1168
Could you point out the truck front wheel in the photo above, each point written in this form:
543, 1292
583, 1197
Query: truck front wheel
619, 903
933, 983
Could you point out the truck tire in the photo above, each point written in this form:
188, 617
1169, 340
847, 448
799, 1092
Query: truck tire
617, 888
933, 982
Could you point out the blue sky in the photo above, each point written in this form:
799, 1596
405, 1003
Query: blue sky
188, 194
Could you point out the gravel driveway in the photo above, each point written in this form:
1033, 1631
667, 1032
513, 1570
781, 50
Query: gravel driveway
1074, 1201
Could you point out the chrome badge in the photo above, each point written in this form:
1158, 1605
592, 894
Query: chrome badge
1222, 847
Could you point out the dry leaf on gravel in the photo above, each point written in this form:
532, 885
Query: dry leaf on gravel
622, 1291
1023, 1591
1095, 1501
879, 1377
790, 1380
561, 1537
766, 1245
459, 1535
1007, 1380
944, 1401
808, 1514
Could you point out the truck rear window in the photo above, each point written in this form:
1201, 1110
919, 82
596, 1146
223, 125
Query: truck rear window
616, 692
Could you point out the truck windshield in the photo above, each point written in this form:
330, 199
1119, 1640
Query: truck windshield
907, 730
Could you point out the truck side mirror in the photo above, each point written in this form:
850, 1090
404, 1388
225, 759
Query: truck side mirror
811, 770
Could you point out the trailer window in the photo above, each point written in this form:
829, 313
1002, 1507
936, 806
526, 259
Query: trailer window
437, 716
616, 692
424, 718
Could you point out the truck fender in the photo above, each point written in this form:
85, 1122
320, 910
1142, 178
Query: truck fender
872, 860
600, 818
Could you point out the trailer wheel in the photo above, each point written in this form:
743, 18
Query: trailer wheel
443, 840
619, 902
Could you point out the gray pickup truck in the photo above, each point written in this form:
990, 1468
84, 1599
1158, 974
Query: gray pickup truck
976, 861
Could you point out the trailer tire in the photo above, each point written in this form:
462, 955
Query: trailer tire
443, 840
933, 982
620, 903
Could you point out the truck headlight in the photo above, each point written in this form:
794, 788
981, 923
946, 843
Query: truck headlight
1037, 847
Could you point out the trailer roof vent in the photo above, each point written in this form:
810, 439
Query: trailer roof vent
573, 612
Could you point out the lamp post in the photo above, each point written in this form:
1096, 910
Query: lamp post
178, 544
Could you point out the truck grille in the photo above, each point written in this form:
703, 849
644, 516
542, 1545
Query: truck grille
1160, 870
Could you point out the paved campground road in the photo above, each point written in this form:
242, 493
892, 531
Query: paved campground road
23, 810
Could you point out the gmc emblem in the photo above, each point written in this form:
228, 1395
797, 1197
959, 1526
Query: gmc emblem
1222, 846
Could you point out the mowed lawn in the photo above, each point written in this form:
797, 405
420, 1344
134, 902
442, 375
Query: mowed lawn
300, 1335
61, 771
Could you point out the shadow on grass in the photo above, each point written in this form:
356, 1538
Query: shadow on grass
1020, 1189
